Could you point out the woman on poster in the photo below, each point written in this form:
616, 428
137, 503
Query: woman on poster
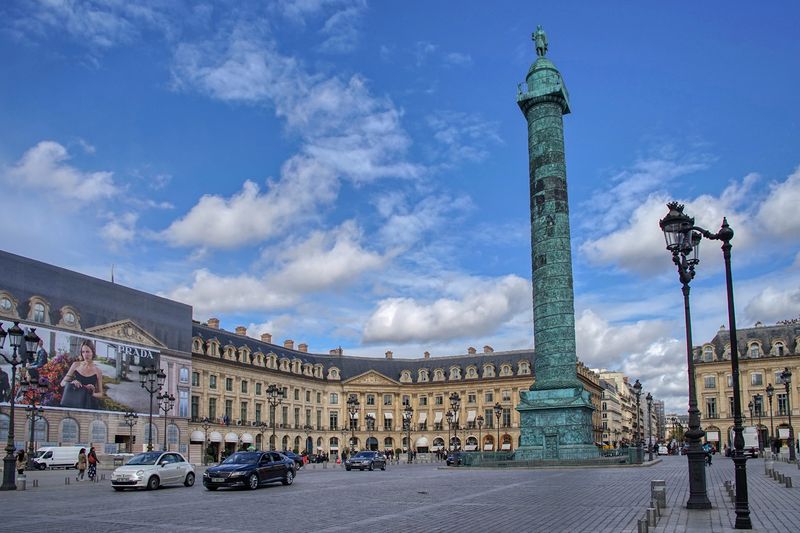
83, 383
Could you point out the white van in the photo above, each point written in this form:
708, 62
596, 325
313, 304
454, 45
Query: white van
57, 456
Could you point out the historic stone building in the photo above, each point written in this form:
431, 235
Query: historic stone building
764, 352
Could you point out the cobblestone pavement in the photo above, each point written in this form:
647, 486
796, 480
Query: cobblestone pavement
409, 498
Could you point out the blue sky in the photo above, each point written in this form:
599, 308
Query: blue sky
355, 174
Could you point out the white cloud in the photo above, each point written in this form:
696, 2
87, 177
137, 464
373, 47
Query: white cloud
464, 137
249, 217
120, 230
45, 168
341, 29
457, 59
773, 304
601, 344
481, 308
779, 213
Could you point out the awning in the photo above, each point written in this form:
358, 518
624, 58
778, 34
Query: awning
506, 446
231, 437
388, 416
488, 446
422, 442
354, 416
471, 447
437, 417
372, 415
215, 436
423, 417
471, 416
197, 436
247, 438
335, 447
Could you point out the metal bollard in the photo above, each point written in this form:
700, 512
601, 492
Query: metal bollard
657, 506
660, 495
66, 480
775, 474
780, 477
35, 482
642, 526
652, 517
788, 482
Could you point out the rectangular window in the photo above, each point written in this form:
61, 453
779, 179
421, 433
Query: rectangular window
195, 379
183, 375
488, 396
370, 399
229, 409
243, 412
244, 386
229, 384
183, 403
439, 400
212, 408
333, 420
285, 415
730, 406
308, 396
710, 382
711, 408
778, 378
319, 420
195, 408
212, 381
730, 380
423, 400
297, 394
319, 397
296, 417
506, 417
488, 417
308, 417
505, 395
756, 379
387, 424
782, 405
387, 399
258, 413
258, 389
406, 399
334, 399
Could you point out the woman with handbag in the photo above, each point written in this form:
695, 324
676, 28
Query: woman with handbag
81, 464
93, 461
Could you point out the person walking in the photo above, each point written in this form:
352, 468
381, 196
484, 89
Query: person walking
21, 460
93, 462
81, 464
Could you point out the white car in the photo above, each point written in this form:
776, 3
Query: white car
663, 450
150, 470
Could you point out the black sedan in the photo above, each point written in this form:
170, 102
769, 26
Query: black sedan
250, 469
455, 459
366, 460
298, 460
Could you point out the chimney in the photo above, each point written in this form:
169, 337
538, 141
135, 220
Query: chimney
471, 350
213, 323
288, 343
488, 349
427, 355
241, 330
303, 347
389, 354
266, 337
336, 351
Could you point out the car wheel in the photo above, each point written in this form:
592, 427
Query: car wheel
189, 481
289, 479
252, 482
347, 468
383, 466
153, 483
371, 467
119, 489
41, 466
212, 489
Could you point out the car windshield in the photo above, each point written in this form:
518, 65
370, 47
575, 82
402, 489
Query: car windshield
365, 454
147, 458
242, 458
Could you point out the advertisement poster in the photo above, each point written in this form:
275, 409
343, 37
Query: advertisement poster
80, 371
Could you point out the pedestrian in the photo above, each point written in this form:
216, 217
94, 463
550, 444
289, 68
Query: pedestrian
93, 461
707, 449
21, 462
81, 464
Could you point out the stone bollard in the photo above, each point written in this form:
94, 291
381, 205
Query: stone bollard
22, 482
642, 526
66, 480
325, 466
788, 481
654, 504
780, 477
775, 474
652, 517
35, 482
660, 495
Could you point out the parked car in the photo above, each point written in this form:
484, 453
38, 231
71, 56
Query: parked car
151, 470
298, 460
455, 459
56, 456
251, 470
663, 450
366, 460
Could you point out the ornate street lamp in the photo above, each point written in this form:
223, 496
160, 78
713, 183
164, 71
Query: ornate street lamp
130, 419
151, 379
479, 421
449, 417
786, 377
165, 404
637, 390
261, 427
770, 394
352, 409
307, 429
683, 244
455, 404
205, 424
759, 405
16, 336
275, 396
649, 399
498, 412
35, 391
408, 413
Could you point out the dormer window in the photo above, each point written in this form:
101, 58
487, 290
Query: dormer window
423, 376
708, 354
5, 304
778, 349
755, 350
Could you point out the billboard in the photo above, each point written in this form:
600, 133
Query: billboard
80, 371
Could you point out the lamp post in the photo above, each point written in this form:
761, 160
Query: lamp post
759, 406
34, 391
786, 377
344, 431
165, 404
455, 404
408, 413
649, 399
369, 420
683, 244
205, 424
151, 379
498, 412
479, 421
307, 428
770, 394
449, 417
352, 409
31, 342
130, 419
637, 391
261, 427
275, 396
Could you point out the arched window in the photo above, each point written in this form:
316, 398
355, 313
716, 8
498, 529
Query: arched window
41, 431
148, 430
754, 350
708, 354
98, 431
388, 442
4, 423
173, 436
69, 432
423, 375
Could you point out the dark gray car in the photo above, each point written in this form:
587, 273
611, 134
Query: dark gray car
366, 460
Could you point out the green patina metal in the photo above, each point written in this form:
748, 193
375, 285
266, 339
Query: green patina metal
556, 413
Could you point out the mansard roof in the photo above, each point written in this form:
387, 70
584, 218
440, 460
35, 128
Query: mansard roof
787, 331
351, 366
